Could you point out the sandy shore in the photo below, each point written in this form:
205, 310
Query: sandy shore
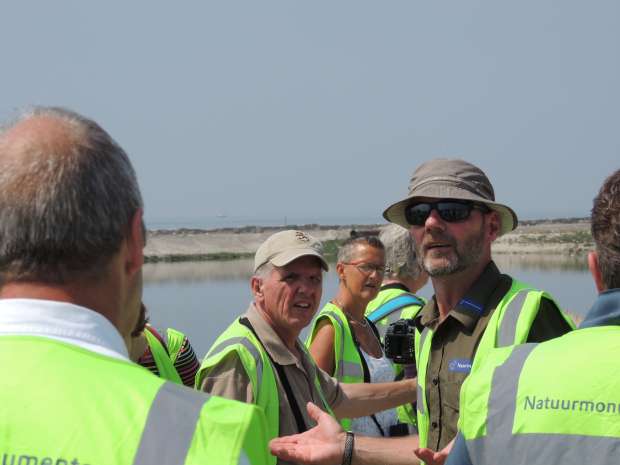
552, 237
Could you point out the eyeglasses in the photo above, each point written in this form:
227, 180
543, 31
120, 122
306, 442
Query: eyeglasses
448, 210
367, 268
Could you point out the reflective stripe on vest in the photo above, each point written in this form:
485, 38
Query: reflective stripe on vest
251, 348
509, 324
508, 329
161, 358
173, 411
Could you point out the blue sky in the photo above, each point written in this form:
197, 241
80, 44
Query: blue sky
323, 109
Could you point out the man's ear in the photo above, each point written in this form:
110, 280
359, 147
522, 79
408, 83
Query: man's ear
135, 243
595, 270
494, 223
256, 285
340, 271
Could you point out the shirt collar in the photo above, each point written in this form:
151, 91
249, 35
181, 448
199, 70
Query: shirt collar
605, 311
62, 321
270, 339
471, 307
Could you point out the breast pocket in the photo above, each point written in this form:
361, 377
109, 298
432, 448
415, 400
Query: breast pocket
458, 370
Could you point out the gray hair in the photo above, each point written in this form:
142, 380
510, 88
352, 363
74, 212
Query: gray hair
63, 212
400, 255
346, 252
264, 271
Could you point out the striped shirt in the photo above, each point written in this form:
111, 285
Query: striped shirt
186, 363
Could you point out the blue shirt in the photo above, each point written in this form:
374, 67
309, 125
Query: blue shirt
604, 312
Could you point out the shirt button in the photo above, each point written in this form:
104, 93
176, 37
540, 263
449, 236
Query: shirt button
434, 425
435, 381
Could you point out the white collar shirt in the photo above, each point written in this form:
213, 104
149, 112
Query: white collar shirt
62, 321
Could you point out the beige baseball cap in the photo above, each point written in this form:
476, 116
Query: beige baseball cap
283, 247
451, 179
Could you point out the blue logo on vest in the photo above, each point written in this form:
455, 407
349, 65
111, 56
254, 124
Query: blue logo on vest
460, 365
471, 306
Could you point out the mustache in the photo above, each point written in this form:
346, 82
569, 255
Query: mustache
433, 238
143, 319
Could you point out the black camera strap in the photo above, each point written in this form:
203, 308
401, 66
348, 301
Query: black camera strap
365, 367
299, 419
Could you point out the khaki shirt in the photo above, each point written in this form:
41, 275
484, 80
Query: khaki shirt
456, 340
229, 378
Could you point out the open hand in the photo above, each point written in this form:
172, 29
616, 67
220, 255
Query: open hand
430, 457
321, 445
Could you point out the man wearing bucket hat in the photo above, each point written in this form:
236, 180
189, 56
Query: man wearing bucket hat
259, 358
453, 218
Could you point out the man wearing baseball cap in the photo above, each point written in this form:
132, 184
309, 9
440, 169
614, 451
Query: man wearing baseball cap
259, 358
453, 218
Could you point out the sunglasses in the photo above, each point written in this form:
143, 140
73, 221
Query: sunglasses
451, 211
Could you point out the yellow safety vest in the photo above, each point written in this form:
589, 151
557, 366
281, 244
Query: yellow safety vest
510, 324
239, 339
97, 409
553, 402
348, 363
165, 359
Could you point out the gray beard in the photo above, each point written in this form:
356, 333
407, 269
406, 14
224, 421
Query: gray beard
469, 254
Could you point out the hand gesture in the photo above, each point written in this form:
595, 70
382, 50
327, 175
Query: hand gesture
321, 445
430, 457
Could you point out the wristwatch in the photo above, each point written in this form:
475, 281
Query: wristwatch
349, 441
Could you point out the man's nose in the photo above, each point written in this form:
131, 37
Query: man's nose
306, 286
434, 221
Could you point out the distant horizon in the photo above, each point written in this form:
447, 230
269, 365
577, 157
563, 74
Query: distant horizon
210, 223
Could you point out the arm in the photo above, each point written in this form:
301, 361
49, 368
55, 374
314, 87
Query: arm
228, 379
361, 399
322, 346
324, 445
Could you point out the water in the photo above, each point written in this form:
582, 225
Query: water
202, 298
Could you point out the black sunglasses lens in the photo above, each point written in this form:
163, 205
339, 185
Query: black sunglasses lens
416, 214
453, 211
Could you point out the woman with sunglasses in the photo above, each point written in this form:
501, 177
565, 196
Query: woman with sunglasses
343, 342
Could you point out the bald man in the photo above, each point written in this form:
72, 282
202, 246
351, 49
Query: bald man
70, 291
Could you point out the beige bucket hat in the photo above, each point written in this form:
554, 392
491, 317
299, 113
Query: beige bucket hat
451, 179
283, 247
